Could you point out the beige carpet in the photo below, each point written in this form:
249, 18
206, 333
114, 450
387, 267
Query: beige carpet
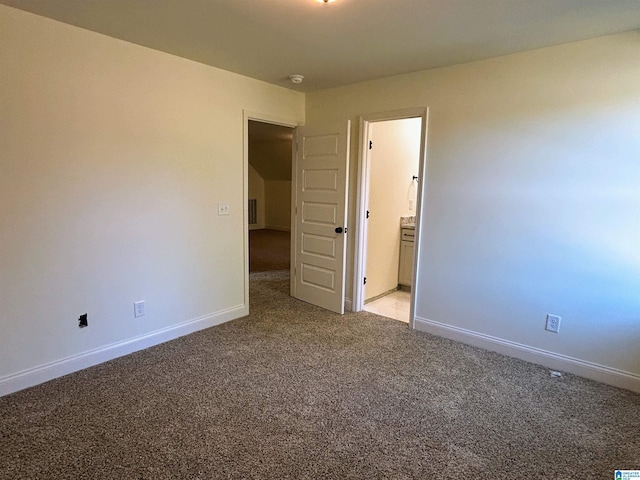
269, 250
294, 392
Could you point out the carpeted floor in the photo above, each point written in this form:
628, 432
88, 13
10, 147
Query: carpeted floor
295, 392
269, 250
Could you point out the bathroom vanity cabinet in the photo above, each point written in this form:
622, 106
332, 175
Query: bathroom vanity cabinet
405, 270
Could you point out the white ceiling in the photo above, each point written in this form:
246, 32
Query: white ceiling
343, 42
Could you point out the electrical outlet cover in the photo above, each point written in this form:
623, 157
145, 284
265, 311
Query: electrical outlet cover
138, 309
553, 323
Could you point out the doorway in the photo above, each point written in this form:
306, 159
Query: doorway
392, 190
318, 204
267, 166
392, 155
269, 202
322, 144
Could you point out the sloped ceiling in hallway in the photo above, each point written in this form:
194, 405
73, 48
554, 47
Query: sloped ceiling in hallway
270, 150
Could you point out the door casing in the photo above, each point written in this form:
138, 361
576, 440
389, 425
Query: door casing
362, 197
360, 226
265, 118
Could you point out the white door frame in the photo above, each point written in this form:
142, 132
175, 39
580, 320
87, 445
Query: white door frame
274, 120
362, 195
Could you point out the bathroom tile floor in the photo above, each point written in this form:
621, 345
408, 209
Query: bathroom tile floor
395, 305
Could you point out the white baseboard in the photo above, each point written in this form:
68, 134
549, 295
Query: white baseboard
277, 227
58, 368
583, 368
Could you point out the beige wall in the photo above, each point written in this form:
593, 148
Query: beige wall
393, 163
114, 158
278, 204
256, 190
532, 194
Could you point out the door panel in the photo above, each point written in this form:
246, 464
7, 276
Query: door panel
318, 245
321, 180
321, 200
323, 278
319, 213
320, 145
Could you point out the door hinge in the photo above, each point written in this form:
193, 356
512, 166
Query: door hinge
368, 213
370, 144
365, 281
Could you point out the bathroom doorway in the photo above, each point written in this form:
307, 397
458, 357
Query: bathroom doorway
389, 202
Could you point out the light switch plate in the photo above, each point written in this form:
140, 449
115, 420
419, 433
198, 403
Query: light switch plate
223, 208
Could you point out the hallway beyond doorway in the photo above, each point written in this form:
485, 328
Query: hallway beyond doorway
269, 250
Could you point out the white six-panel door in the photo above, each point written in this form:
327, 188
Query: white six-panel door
320, 215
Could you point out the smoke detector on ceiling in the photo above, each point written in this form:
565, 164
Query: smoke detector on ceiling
297, 79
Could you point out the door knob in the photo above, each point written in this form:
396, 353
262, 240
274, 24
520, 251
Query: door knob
338, 229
